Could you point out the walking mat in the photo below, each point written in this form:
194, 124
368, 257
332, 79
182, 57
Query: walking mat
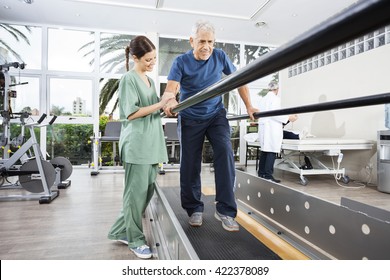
211, 241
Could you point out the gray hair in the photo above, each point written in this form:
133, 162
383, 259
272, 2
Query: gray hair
202, 25
273, 85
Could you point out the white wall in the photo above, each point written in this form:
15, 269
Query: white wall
357, 76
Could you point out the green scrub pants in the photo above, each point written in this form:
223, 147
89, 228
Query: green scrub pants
139, 189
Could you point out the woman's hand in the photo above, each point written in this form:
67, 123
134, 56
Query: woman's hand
168, 107
166, 98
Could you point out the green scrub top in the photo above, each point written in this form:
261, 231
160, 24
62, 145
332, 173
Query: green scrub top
142, 139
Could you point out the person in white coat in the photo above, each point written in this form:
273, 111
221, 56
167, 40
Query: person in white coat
271, 132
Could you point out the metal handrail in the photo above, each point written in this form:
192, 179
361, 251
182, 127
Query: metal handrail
331, 105
354, 21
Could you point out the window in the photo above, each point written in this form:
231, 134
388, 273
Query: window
360, 45
380, 39
27, 95
27, 51
315, 62
335, 55
66, 53
309, 64
369, 44
169, 49
328, 57
109, 91
364, 43
112, 52
388, 34
251, 53
343, 51
351, 48
299, 67
71, 141
65, 93
321, 60
232, 50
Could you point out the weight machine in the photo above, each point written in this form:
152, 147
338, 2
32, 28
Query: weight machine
39, 177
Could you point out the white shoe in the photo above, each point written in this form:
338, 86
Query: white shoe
305, 134
142, 252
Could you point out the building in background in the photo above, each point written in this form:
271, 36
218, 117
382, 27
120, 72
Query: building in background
79, 106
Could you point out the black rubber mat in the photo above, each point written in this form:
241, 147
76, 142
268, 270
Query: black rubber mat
211, 241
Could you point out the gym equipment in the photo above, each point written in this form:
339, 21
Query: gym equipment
7, 94
35, 174
111, 134
64, 172
39, 177
63, 168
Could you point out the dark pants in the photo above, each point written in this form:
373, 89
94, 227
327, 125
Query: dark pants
266, 164
192, 134
290, 135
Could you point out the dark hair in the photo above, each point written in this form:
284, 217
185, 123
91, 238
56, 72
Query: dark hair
2, 78
139, 46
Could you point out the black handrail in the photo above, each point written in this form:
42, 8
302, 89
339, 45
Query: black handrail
331, 105
354, 21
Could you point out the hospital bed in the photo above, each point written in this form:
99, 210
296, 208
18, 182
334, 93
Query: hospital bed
294, 151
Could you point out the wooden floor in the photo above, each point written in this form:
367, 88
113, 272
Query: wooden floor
75, 225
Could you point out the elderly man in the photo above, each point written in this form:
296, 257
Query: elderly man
194, 71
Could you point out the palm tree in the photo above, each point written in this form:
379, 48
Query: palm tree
253, 52
107, 93
112, 55
58, 111
17, 35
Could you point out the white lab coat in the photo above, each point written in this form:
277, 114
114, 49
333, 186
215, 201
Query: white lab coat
271, 128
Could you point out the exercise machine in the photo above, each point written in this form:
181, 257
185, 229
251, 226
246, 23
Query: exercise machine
36, 175
39, 177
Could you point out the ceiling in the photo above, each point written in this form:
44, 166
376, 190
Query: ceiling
235, 21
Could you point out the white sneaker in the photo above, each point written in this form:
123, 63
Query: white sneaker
142, 252
196, 219
228, 223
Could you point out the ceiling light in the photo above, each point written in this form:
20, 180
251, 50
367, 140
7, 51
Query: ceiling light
27, 1
260, 24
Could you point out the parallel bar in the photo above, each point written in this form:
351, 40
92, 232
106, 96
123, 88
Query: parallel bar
356, 20
331, 105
